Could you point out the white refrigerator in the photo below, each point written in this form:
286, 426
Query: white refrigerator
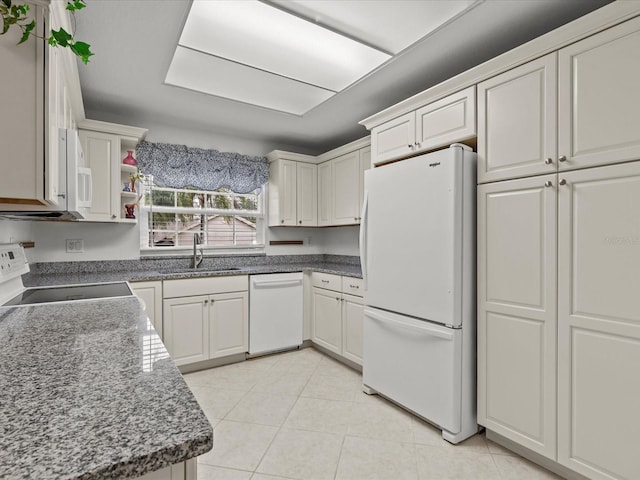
417, 247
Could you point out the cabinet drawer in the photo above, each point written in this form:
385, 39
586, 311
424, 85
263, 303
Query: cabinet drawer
326, 280
204, 286
353, 286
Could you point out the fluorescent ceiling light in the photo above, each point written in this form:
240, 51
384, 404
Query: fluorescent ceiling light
220, 77
273, 43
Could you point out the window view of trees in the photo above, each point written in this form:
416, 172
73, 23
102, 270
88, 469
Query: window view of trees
223, 218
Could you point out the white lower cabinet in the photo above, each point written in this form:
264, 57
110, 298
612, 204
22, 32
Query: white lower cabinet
559, 317
337, 317
180, 471
517, 311
151, 294
599, 321
206, 326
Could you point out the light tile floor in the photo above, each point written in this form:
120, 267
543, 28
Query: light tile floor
302, 415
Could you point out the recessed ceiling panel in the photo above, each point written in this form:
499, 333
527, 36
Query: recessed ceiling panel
256, 34
389, 25
216, 76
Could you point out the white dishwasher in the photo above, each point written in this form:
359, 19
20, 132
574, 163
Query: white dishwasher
275, 312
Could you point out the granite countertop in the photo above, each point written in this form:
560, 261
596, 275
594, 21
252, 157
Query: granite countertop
88, 391
171, 273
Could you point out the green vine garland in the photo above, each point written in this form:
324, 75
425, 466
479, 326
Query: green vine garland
16, 14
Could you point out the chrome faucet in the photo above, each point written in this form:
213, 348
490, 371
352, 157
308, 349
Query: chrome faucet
197, 259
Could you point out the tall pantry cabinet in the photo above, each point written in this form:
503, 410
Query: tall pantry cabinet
559, 255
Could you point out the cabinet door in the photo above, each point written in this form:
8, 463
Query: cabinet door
101, 152
517, 122
228, 324
186, 328
394, 139
352, 319
151, 294
282, 193
599, 98
599, 321
22, 121
517, 311
325, 194
326, 319
447, 121
307, 194
346, 189
365, 164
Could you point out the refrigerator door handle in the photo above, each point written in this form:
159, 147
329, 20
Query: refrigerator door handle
425, 329
363, 238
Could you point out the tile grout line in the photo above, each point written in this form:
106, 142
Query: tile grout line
255, 470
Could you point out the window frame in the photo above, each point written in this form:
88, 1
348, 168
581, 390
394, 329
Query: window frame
183, 250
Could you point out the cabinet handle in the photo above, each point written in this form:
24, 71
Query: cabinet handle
324, 281
548, 161
548, 183
562, 182
562, 158
354, 286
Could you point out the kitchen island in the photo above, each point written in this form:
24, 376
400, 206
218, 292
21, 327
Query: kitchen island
88, 390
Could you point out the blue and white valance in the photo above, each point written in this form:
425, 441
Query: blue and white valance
179, 166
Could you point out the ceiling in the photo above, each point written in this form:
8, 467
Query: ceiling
134, 42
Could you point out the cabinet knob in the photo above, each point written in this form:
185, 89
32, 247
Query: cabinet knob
548, 183
562, 182
338, 299
206, 301
113, 216
548, 161
300, 221
281, 221
417, 144
355, 218
410, 146
562, 158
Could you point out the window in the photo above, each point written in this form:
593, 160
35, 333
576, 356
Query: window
169, 218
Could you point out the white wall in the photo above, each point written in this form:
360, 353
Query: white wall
102, 241
12, 231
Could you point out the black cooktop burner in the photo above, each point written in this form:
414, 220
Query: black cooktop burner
66, 293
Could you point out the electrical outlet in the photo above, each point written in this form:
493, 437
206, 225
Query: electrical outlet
75, 245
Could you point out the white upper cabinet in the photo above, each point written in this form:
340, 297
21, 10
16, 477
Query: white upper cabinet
599, 96
517, 122
306, 194
105, 145
346, 189
394, 139
448, 120
341, 184
293, 193
325, 194
102, 152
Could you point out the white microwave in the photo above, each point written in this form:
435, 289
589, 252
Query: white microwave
74, 184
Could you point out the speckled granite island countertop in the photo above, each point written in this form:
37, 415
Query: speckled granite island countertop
88, 391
